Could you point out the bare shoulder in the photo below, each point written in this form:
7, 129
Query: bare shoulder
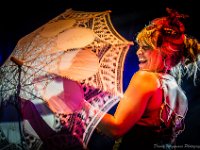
145, 79
145, 74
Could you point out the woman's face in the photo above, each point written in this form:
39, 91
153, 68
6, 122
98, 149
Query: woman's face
150, 59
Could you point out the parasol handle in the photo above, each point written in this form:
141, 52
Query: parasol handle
19, 63
16, 61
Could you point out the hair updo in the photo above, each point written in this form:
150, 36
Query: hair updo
168, 35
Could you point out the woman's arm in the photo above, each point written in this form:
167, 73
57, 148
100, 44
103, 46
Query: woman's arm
131, 106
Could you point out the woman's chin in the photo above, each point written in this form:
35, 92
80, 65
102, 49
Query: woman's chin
142, 66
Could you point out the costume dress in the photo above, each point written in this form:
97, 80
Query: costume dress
159, 129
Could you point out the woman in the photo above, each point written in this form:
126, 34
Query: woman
152, 111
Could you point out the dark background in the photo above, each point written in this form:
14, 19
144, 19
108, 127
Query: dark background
21, 17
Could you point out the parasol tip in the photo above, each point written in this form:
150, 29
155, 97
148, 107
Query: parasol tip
16, 61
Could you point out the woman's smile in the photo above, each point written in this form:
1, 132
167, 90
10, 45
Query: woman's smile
142, 62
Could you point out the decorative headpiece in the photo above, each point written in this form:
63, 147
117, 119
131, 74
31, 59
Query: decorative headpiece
166, 33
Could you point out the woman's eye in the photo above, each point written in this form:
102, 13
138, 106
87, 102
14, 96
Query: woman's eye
146, 47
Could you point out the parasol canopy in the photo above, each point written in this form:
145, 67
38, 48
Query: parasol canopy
74, 58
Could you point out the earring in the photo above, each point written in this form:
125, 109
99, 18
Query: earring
167, 67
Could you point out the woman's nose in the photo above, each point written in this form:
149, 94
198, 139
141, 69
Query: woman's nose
139, 51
